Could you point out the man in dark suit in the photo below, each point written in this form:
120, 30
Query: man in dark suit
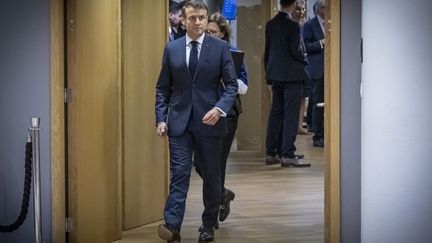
284, 63
197, 85
176, 29
313, 36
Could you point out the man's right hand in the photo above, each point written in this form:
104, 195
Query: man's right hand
162, 129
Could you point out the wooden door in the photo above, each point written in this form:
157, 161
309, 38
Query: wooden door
93, 120
144, 34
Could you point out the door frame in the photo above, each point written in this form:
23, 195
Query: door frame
58, 152
332, 123
331, 119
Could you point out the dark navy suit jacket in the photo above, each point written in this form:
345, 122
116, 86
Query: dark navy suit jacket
213, 85
283, 58
312, 34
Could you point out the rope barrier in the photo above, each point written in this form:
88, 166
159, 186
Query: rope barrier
26, 194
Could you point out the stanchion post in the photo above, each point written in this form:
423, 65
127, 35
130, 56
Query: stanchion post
35, 130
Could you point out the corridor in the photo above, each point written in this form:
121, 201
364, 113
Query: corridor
272, 204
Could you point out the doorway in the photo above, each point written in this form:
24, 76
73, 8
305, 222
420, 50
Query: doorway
114, 147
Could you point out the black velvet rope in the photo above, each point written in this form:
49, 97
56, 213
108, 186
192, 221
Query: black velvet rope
26, 194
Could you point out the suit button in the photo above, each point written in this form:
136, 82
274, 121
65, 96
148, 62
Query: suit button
193, 85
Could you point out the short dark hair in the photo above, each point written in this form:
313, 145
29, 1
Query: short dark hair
174, 6
197, 4
286, 3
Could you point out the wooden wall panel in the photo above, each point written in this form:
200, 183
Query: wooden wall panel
256, 103
145, 161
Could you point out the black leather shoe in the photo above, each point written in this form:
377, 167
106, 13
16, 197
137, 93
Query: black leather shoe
217, 225
318, 143
206, 234
224, 209
293, 162
272, 160
168, 233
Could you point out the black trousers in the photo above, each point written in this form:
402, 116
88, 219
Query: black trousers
226, 143
284, 116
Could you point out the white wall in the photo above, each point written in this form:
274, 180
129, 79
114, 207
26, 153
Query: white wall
396, 121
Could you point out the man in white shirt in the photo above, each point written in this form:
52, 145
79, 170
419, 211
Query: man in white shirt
190, 100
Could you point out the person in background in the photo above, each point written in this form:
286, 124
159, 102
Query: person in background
284, 62
219, 28
197, 85
176, 28
298, 14
313, 36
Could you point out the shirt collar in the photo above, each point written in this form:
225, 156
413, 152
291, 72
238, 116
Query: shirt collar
199, 39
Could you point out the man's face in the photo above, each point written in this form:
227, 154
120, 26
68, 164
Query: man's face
195, 21
175, 18
320, 11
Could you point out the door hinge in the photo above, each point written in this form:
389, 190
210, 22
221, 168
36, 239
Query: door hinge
69, 225
67, 95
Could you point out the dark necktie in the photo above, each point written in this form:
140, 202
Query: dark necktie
193, 58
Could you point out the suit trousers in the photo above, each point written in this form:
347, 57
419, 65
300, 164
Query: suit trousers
318, 112
181, 150
226, 143
284, 116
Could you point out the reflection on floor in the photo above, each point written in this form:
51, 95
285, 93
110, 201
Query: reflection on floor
272, 204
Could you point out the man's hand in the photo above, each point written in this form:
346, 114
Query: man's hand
211, 117
162, 129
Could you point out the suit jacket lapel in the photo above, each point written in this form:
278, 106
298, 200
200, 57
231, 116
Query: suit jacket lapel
318, 28
203, 56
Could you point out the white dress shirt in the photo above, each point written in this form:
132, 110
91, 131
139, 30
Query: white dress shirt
188, 50
321, 22
189, 46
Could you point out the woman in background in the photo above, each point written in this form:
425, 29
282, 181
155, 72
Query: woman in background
218, 27
298, 14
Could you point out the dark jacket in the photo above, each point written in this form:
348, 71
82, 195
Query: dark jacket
283, 56
237, 107
312, 34
178, 94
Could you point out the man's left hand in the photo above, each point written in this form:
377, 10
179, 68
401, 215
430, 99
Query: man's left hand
211, 117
